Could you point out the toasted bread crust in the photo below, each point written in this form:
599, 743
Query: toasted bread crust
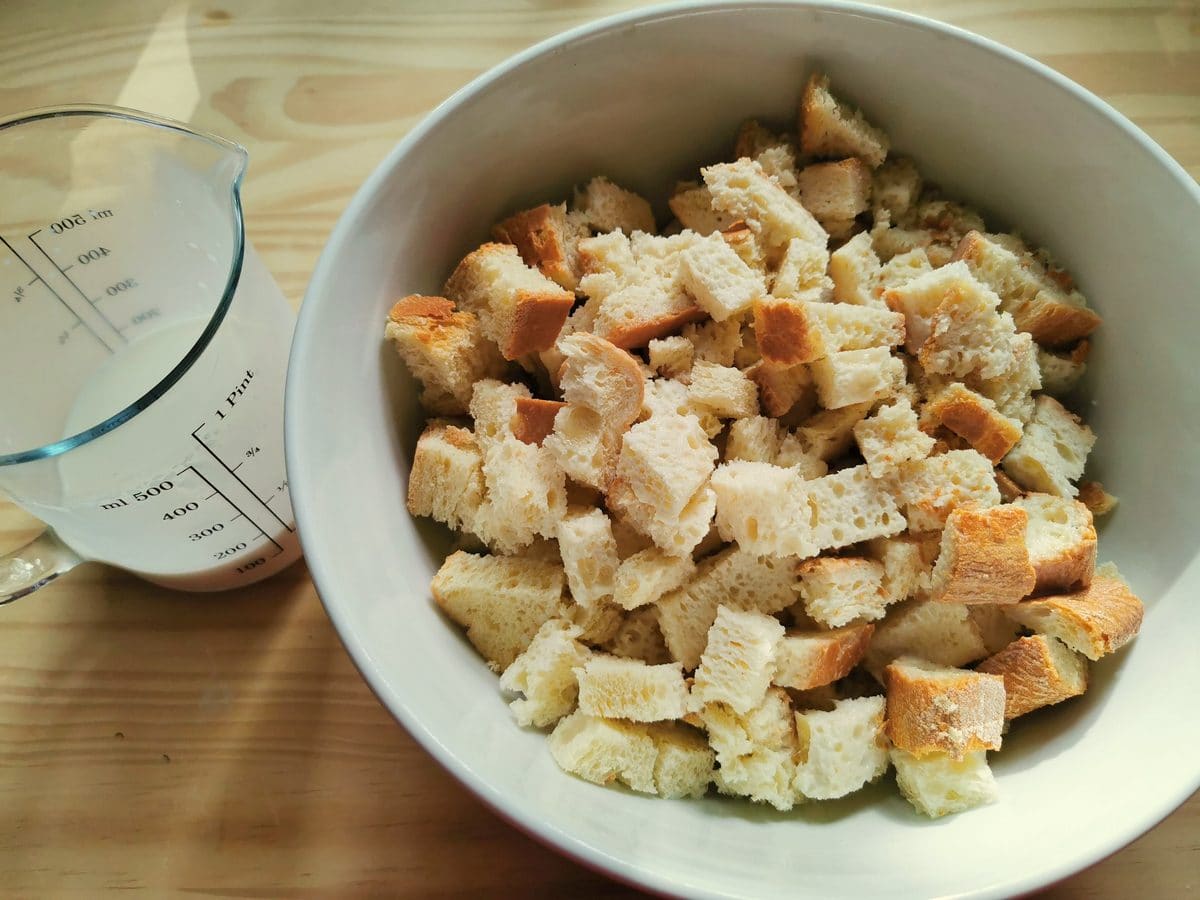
968, 415
417, 306
534, 419
1009, 489
989, 561
785, 334
1072, 568
779, 389
639, 334
931, 714
538, 319
1093, 495
1034, 676
1094, 621
538, 236
1051, 322
826, 656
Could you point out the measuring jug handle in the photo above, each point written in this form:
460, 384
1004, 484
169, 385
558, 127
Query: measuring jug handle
37, 563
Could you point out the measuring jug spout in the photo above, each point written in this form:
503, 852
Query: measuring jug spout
150, 346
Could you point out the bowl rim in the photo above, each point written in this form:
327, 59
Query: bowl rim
307, 341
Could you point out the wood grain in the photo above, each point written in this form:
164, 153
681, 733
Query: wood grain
224, 745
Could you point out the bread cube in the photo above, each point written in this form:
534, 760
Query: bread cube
943, 633
906, 568
850, 506
809, 659
746, 192
604, 750
983, 557
857, 376
589, 554
840, 590
1099, 501
830, 433
974, 418
939, 785
1053, 451
1062, 371
544, 674
518, 307
939, 709
842, 749
1054, 317
1061, 540
1037, 671
733, 577
446, 480
616, 688
967, 336
723, 391
1095, 621
831, 128
753, 439
639, 637
493, 408
782, 389
671, 357
738, 660
891, 436
755, 750
717, 278
919, 298
684, 767
665, 461
526, 494
649, 574
445, 349
835, 190
932, 488
547, 237
608, 207
896, 187
533, 419
502, 601
764, 508
801, 272
692, 205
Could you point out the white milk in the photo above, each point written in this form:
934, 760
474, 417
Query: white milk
191, 492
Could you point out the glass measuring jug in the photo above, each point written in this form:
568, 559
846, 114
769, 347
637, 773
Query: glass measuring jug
143, 349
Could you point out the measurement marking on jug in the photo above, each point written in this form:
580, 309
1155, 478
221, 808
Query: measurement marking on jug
240, 512
233, 471
53, 292
71, 281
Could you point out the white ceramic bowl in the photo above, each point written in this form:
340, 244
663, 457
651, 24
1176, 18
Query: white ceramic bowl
645, 98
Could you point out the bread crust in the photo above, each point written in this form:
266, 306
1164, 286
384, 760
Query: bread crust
1009, 489
779, 388
1034, 676
534, 419
639, 334
820, 657
968, 415
1051, 322
538, 236
1093, 495
786, 335
1094, 621
988, 562
956, 713
537, 320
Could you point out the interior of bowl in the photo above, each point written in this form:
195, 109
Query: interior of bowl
645, 100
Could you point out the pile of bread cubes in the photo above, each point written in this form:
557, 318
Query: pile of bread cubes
775, 498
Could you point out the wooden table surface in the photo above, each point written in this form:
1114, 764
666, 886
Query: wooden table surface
224, 745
